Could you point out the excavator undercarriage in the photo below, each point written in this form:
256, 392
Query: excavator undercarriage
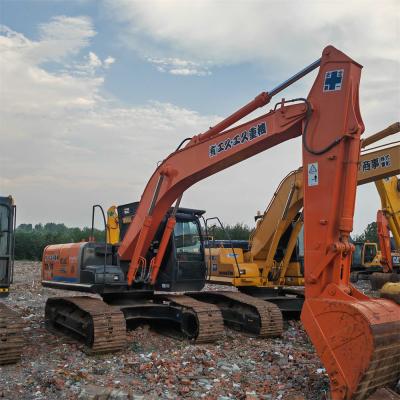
197, 316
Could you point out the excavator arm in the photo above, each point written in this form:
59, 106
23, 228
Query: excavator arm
384, 241
356, 337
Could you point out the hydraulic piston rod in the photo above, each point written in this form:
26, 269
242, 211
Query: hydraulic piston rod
259, 101
294, 78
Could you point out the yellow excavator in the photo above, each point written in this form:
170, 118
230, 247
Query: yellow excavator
389, 192
272, 266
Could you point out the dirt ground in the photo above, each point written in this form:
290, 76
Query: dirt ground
153, 366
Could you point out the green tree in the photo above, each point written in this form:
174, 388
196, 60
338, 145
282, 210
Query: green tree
239, 231
31, 241
370, 234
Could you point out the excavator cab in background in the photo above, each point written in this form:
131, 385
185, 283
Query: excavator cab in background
7, 243
366, 259
389, 255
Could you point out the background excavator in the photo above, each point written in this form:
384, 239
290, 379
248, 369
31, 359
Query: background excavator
389, 192
11, 339
356, 337
388, 220
387, 259
274, 262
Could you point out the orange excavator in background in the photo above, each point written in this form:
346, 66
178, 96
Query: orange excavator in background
356, 337
384, 241
388, 220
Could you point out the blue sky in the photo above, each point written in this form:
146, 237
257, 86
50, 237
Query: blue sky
132, 79
94, 93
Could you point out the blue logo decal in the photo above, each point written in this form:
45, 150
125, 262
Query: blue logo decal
333, 80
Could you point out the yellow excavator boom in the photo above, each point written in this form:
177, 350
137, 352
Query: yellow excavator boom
389, 192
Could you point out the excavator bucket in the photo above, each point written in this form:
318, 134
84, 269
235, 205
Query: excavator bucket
359, 343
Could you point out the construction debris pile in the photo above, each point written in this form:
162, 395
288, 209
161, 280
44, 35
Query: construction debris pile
154, 366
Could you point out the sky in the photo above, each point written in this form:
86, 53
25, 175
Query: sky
94, 93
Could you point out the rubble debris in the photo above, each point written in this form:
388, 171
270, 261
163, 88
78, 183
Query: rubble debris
154, 366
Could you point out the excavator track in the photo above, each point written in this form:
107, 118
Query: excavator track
11, 338
245, 313
89, 320
210, 324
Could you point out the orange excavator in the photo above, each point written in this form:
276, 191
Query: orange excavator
384, 241
356, 337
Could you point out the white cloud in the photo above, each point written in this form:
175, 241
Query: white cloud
64, 144
278, 37
108, 61
258, 30
177, 66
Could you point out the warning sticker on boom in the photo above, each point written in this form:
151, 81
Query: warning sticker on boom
313, 174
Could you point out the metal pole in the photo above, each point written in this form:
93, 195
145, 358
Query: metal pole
155, 194
295, 78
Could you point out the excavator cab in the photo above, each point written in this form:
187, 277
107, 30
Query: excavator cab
183, 266
95, 267
7, 229
366, 257
370, 253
